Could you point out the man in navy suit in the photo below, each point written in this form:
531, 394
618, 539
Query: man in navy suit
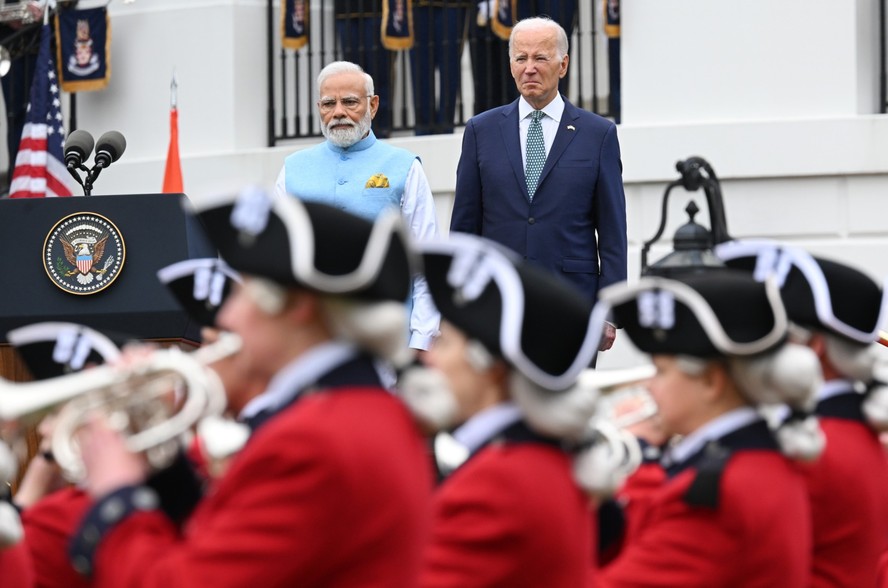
572, 219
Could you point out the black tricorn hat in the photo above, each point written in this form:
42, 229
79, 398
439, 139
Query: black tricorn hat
539, 324
722, 313
310, 245
200, 286
818, 293
52, 349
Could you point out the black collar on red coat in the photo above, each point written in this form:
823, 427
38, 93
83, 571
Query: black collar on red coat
358, 372
847, 406
516, 433
711, 460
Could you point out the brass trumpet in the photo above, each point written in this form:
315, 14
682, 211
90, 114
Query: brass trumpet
611, 453
136, 400
618, 385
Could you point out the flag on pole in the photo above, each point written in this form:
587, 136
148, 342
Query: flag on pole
172, 175
39, 166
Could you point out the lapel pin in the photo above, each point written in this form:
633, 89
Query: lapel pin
571, 128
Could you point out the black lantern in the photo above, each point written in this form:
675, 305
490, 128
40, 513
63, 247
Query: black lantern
692, 242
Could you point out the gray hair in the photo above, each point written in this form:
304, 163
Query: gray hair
541, 22
339, 67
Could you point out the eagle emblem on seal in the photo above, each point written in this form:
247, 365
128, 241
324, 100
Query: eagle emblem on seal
83, 253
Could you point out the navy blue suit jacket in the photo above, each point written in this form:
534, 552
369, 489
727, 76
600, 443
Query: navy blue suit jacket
576, 224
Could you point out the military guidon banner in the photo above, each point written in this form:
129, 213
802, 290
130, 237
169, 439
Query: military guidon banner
294, 23
503, 18
83, 44
397, 24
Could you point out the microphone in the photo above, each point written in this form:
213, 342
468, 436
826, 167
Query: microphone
109, 148
78, 147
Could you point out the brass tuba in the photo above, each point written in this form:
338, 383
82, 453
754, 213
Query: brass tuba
136, 399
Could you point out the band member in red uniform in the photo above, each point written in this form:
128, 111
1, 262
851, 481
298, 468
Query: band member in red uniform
16, 568
50, 507
734, 509
839, 310
509, 511
332, 488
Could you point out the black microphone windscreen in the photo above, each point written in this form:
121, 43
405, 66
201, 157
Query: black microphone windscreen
110, 147
79, 144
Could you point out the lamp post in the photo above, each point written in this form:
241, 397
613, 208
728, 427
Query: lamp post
692, 242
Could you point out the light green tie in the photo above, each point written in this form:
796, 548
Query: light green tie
535, 154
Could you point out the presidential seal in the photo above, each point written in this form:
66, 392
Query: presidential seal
83, 253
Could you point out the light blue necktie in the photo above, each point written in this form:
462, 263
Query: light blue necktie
536, 152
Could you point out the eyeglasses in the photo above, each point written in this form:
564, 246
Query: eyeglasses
349, 103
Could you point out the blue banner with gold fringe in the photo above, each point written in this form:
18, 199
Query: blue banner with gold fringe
294, 23
397, 24
83, 45
612, 18
504, 12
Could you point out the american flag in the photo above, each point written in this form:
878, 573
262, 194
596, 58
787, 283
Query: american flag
39, 166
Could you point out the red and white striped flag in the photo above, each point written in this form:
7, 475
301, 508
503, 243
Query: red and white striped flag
39, 166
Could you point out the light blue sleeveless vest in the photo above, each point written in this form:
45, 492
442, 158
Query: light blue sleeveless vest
339, 177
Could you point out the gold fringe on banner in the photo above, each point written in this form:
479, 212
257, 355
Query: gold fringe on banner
397, 24
294, 23
503, 18
84, 61
612, 18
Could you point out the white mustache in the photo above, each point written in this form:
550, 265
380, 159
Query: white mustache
340, 121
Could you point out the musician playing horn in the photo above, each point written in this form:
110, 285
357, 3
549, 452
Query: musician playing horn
333, 486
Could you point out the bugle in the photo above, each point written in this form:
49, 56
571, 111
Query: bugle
135, 398
616, 387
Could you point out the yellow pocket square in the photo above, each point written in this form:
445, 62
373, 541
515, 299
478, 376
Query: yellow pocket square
377, 181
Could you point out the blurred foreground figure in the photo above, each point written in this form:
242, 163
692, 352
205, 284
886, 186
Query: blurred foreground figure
512, 509
332, 488
837, 311
733, 510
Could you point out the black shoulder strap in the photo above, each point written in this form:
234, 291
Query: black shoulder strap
704, 489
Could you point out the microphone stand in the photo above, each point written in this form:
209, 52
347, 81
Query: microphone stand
72, 169
91, 177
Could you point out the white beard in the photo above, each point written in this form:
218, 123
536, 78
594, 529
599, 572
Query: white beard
345, 138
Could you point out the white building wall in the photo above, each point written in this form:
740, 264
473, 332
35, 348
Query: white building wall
779, 96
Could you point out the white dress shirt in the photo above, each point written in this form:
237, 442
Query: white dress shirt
553, 111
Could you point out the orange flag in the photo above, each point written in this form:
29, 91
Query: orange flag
172, 175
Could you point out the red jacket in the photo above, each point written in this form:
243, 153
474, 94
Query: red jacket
332, 492
16, 570
848, 489
510, 516
758, 536
48, 528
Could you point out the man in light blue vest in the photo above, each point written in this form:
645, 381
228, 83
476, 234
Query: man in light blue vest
355, 172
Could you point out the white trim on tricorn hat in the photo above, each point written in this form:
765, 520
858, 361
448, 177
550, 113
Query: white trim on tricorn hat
52, 348
248, 225
484, 281
199, 285
691, 292
765, 257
